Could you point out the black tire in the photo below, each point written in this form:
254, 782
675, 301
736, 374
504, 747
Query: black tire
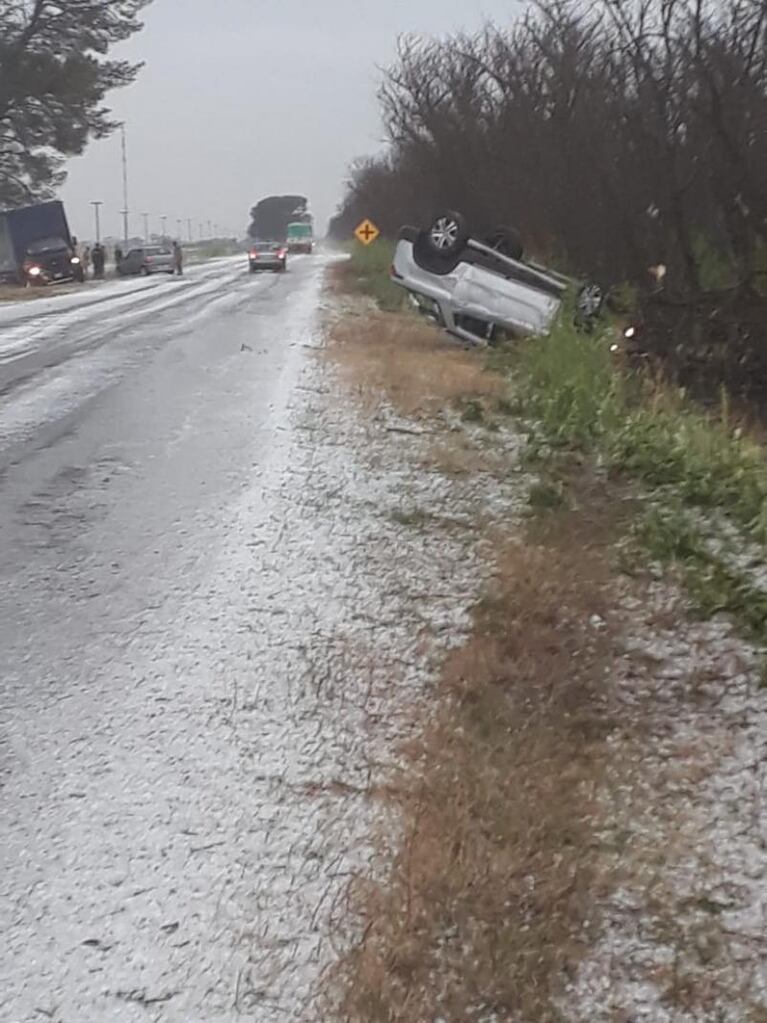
429, 260
507, 241
447, 234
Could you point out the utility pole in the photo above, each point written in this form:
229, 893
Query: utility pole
189, 228
210, 230
178, 228
164, 221
97, 204
145, 217
125, 183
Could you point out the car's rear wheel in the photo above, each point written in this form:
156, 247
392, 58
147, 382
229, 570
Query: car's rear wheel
508, 242
447, 234
590, 300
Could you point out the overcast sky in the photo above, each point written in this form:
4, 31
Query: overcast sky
245, 98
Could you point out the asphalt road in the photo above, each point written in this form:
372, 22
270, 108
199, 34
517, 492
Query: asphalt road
137, 422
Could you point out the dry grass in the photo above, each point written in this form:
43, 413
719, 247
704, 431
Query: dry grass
11, 293
410, 363
488, 905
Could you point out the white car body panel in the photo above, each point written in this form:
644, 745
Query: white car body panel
480, 293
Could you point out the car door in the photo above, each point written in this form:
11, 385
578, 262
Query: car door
489, 296
133, 261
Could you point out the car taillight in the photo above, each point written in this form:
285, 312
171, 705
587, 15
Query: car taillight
253, 253
282, 253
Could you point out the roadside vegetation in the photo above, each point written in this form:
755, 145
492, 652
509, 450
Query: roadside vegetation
531, 798
564, 811
698, 476
367, 272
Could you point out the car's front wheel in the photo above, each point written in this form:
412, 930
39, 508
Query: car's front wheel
447, 235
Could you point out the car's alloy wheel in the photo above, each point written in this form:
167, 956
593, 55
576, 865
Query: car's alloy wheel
447, 235
590, 299
444, 233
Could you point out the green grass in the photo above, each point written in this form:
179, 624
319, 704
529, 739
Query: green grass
473, 411
368, 272
546, 495
569, 386
670, 535
580, 402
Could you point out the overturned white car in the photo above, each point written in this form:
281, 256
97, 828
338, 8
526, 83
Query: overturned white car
483, 291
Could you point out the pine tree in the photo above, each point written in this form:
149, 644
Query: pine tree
54, 76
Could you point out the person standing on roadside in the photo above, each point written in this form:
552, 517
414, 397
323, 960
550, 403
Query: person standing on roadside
178, 258
98, 261
85, 259
118, 257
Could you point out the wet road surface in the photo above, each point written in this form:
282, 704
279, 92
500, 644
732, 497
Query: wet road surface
144, 446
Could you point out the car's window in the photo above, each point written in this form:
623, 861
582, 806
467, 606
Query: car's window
157, 250
134, 253
47, 245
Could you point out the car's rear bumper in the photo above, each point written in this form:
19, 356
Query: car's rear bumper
271, 264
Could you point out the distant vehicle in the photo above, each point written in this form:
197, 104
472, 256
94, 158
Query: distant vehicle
36, 247
301, 238
482, 290
268, 256
151, 259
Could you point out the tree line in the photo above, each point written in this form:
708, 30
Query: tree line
615, 136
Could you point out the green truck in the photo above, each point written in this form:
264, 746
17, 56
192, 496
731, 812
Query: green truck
300, 237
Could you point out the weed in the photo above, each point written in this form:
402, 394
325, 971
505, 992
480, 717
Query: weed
367, 272
579, 400
545, 495
669, 535
473, 411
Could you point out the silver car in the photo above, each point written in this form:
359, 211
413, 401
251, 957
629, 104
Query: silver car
265, 255
151, 259
481, 291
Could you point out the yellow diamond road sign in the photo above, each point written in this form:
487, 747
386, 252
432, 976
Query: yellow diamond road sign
367, 232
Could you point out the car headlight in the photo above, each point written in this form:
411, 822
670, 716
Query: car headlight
629, 332
75, 259
35, 271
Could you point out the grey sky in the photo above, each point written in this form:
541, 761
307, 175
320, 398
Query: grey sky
245, 98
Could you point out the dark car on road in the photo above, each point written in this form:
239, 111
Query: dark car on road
151, 259
268, 256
